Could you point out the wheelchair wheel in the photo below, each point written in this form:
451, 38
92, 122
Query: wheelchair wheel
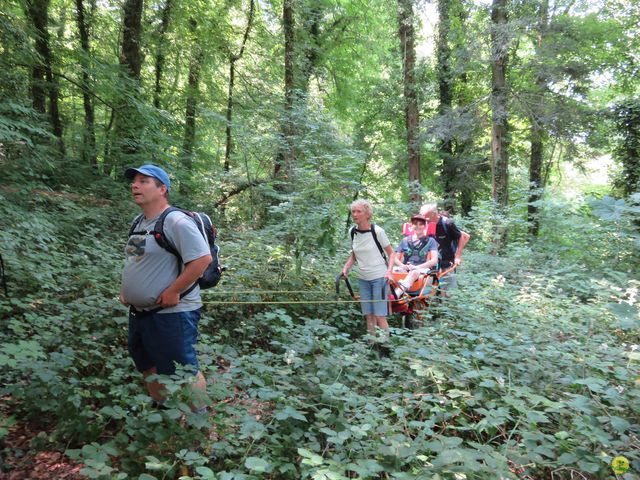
412, 321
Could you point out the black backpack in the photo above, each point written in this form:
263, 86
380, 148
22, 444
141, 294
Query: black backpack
212, 274
446, 219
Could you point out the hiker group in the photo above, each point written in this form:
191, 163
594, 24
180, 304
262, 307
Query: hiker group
171, 255
433, 244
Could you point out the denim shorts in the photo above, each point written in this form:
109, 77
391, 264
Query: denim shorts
377, 289
160, 339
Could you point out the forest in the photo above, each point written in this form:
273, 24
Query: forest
520, 118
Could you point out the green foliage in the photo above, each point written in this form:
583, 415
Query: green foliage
530, 366
529, 370
627, 116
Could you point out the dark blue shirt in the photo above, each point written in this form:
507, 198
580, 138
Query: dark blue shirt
411, 248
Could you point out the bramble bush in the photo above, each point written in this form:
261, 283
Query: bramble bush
529, 370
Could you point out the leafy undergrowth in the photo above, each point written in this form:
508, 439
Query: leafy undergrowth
530, 370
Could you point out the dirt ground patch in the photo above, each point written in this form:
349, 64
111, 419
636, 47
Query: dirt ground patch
20, 461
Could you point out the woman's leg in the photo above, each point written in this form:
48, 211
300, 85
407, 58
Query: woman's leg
366, 297
382, 323
371, 324
380, 309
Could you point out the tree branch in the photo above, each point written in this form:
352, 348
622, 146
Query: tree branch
239, 189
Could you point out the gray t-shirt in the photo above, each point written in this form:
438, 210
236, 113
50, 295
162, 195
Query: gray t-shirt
149, 269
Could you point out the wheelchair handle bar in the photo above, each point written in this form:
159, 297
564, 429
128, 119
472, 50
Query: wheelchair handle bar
347, 283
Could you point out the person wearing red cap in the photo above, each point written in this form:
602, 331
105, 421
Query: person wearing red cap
416, 254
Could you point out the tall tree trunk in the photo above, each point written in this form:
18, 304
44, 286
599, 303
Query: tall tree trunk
536, 160
160, 57
311, 43
499, 109
285, 158
191, 110
466, 170
38, 12
131, 57
233, 58
412, 119
538, 134
627, 116
445, 91
128, 122
89, 154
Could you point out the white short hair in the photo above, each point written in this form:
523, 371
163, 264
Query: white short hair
428, 209
365, 205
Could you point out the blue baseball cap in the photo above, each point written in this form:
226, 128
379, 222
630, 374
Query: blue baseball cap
149, 171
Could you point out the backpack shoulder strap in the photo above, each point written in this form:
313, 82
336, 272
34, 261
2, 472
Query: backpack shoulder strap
135, 223
375, 239
158, 231
444, 225
354, 230
163, 241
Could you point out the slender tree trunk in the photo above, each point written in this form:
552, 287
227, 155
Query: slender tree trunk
445, 91
131, 57
127, 120
311, 44
38, 12
228, 150
89, 153
466, 171
285, 159
535, 178
538, 134
412, 119
160, 57
191, 110
232, 74
627, 116
499, 109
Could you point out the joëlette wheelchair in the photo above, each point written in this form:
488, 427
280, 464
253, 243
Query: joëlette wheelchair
412, 305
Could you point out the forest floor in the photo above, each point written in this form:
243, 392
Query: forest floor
24, 462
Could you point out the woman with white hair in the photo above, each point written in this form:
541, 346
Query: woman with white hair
369, 244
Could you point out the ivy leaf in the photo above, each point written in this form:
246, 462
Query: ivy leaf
205, 472
608, 208
567, 459
596, 385
366, 468
154, 418
619, 424
256, 464
310, 458
290, 412
628, 315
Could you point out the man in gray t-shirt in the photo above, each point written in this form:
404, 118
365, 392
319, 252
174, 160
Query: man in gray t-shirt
163, 319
